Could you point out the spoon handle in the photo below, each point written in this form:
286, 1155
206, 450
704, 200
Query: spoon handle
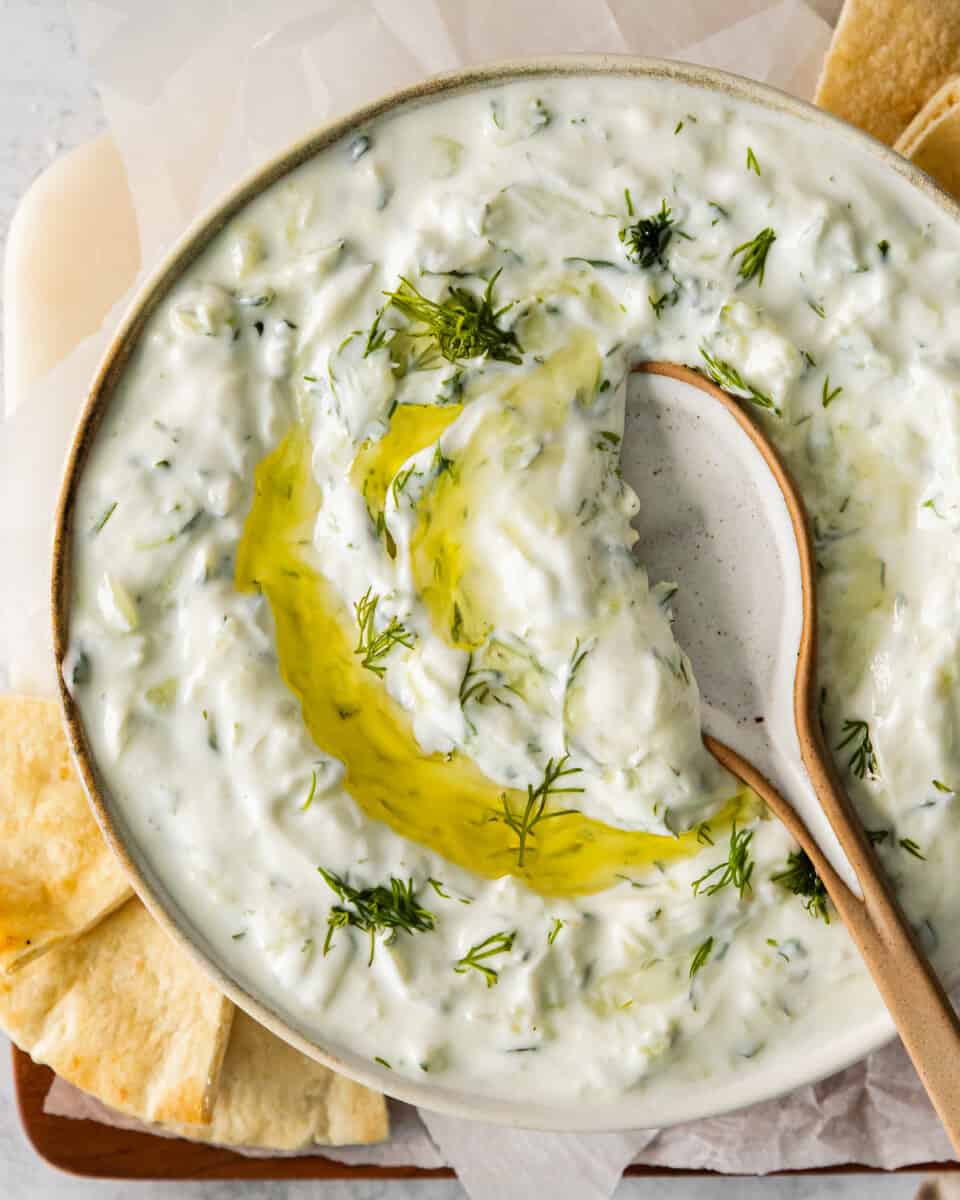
909, 986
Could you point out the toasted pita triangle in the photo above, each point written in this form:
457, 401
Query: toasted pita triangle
886, 60
58, 877
274, 1098
125, 1015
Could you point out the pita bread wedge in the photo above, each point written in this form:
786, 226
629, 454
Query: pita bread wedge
58, 877
123, 1014
887, 59
274, 1098
932, 139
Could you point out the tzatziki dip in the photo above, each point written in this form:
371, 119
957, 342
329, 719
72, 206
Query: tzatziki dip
364, 651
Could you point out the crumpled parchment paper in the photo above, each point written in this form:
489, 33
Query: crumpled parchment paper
262, 75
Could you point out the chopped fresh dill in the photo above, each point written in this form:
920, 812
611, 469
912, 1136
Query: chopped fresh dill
534, 811
108, 513
877, 836
646, 240
576, 662
377, 338
753, 256
727, 376
704, 834
81, 670
628, 200
555, 929
699, 960
440, 462
719, 210
238, 937
932, 505
911, 847
163, 462
399, 483
542, 116
863, 760
462, 325
667, 299
818, 309
675, 664
496, 943
942, 787
736, 869
659, 304
828, 395
372, 645
313, 790
800, 877
375, 910
752, 163
598, 263
884, 248
359, 146
382, 1061
677, 128
472, 684
438, 888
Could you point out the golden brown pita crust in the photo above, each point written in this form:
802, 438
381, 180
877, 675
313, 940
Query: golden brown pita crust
122, 1013
939, 153
58, 877
939, 105
274, 1098
886, 60
932, 139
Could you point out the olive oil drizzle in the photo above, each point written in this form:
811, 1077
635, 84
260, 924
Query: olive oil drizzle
445, 804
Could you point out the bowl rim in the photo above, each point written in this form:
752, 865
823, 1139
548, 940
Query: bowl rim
633, 1111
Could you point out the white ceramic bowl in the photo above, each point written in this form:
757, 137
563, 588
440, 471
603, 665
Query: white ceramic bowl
818, 1053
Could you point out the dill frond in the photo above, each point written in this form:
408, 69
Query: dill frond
800, 877
534, 811
699, 960
374, 910
376, 646
645, 242
863, 759
728, 377
753, 256
462, 325
736, 869
473, 960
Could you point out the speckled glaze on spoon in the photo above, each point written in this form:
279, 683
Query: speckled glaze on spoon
758, 534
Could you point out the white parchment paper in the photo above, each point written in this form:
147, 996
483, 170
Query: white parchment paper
197, 94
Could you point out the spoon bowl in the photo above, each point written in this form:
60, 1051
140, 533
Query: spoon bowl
733, 531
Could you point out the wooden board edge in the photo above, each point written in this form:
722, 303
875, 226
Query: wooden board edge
94, 1151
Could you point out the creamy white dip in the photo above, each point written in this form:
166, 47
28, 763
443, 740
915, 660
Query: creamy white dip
478, 501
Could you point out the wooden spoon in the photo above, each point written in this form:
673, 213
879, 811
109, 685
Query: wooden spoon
904, 977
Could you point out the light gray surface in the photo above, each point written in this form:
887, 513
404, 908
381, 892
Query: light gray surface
47, 105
